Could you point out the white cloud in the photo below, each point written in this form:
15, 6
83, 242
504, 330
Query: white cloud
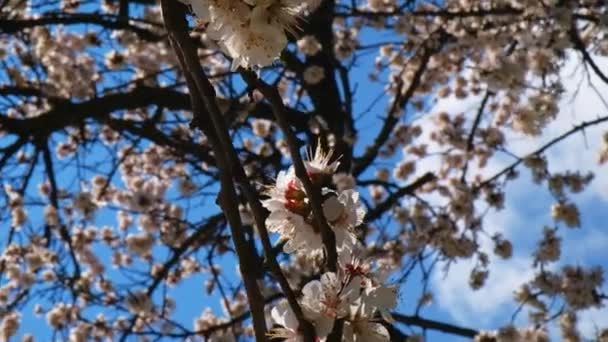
487, 305
585, 244
592, 321
494, 303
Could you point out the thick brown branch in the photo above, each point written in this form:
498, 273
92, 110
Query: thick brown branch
202, 96
105, 20
435, 325
73, 114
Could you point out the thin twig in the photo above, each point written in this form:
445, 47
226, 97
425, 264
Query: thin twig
575, 129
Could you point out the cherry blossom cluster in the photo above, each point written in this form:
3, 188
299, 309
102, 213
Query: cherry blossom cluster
291, 212
252, 32
356, 292
353, 295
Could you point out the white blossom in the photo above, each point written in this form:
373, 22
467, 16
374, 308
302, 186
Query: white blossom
314, 74
362, 330
251, 32
329, 296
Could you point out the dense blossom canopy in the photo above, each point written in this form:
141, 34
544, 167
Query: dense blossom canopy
227, 170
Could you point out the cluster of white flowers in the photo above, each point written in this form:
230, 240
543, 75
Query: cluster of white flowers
10, 325
291, 213
513, 334
15, 202
577, 286
70, 68
251, 32
567, 213
532, 117
314, 74
309, 45
356, 292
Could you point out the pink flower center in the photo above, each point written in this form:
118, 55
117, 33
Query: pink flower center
331, 305
354, 270
295, 199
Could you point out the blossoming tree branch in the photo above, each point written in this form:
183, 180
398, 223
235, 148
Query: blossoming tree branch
282, 170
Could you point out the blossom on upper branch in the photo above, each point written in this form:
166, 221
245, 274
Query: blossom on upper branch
252, 32
319, 164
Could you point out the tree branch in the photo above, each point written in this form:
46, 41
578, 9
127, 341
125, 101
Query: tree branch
11, 26
575, 129
434, 325
471, 137
397, 195
400, 102
203, 96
